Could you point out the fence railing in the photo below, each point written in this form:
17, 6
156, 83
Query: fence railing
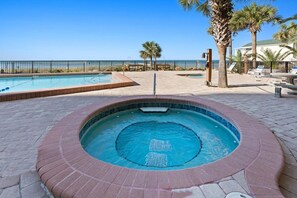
53, 66
65, 66
272, 66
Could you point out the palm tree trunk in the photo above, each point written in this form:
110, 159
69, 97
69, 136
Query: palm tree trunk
254, 49
151, 62
155, 64
220, 17
246, 64
223, 82
230, 50
144, 64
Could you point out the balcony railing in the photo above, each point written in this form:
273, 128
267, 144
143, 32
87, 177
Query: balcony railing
273, 66
65, 66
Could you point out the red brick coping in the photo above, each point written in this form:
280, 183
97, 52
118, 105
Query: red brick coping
118, 80
68, 171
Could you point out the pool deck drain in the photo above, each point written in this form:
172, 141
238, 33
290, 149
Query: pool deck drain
64, 166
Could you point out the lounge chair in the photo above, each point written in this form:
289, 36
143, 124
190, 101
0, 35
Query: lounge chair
260, 71
231, 67
294, 70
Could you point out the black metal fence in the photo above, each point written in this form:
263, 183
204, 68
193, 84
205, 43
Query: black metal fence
272, 66
13, 67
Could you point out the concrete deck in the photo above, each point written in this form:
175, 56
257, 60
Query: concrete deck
24, 123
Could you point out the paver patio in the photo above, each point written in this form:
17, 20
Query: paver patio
24, 123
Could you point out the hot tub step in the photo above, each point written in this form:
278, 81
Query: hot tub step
154, 109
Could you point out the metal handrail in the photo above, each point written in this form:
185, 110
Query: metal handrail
154, 84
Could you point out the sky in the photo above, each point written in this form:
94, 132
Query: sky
111, 30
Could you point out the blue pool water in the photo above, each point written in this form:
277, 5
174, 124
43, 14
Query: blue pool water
177, 139
196, 76
15, 84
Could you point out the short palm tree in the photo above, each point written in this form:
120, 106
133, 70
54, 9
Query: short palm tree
157, 54
238, 58
151, 50
220, 12
148, 49
252, 18
270, 58
144, 55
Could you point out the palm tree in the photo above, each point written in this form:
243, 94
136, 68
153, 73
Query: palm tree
157, 54
230, 50
238, 58
151, 50
253, 17
220, 12
144, 55
288, 34
270, 58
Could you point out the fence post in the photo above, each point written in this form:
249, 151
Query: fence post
32, 67
174, 65
51, 66
85, 67
68, 66
12, 67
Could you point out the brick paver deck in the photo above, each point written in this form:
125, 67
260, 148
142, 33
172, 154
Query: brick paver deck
24, 124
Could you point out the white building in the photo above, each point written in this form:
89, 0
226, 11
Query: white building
274, 45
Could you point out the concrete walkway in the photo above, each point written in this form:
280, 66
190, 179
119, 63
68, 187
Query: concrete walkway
24, 124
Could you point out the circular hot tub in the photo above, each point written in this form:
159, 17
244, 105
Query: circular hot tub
147, 137
149, 145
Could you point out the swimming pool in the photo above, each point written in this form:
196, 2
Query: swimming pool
30, 83
182, 137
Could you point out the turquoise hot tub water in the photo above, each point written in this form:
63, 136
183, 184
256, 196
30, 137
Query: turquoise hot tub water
178, 139
196, 76
16, 84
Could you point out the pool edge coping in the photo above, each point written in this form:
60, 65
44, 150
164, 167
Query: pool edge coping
259, 154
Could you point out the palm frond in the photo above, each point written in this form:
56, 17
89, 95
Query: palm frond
272, 57
188, 4
204, 8
144, 54
252, 17
294, 17
287, 33
292, 50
